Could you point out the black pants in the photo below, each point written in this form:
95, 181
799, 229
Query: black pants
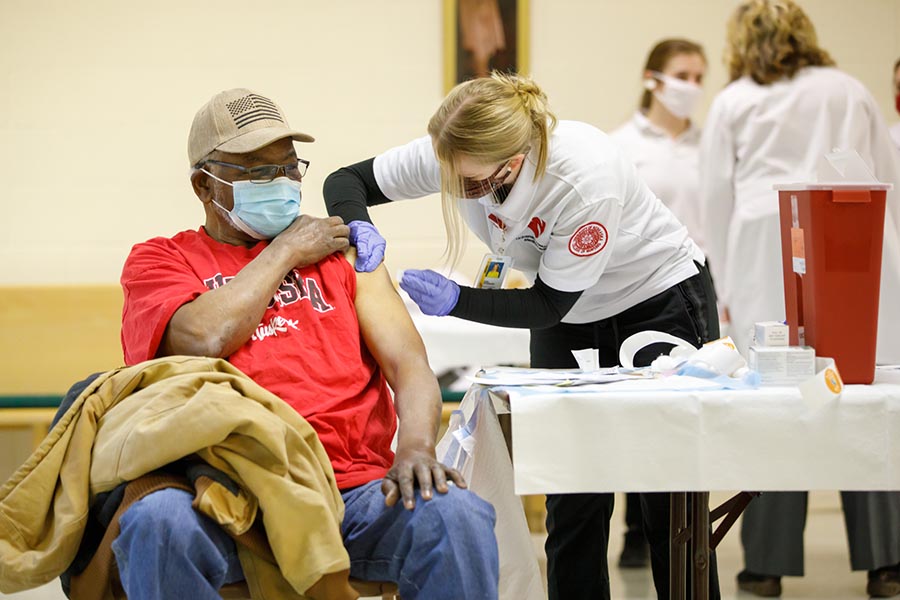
634, 521
578, 524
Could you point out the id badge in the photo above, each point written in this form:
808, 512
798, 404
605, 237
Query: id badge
493, 271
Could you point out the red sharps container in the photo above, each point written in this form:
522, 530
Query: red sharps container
831, 236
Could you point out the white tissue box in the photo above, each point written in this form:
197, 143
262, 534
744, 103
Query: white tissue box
783, 365
771, 333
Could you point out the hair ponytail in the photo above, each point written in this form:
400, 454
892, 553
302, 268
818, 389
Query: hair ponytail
543, 121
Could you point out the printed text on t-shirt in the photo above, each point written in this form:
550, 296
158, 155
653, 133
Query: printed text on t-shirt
292, 289
277, 324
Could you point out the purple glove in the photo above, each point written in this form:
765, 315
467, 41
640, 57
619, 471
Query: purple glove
369, 245
435, 294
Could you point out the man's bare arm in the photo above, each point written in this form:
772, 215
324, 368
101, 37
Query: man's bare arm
390, 335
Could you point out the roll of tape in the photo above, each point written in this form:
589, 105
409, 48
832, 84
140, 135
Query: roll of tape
719, 356
642, 339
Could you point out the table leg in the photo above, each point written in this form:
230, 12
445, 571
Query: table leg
678, 541
700, 544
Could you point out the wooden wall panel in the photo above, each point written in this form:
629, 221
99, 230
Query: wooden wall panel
52, 336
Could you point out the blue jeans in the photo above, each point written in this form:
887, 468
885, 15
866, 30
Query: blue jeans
444, 548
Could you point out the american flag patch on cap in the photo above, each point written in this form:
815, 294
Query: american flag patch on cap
252, 108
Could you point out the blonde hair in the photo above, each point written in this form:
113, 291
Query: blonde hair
772, 39
489, 120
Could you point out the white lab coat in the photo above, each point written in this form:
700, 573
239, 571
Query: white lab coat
895, 134
669, 166
758, 135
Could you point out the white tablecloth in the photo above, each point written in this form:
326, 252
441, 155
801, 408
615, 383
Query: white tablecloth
452, 343
757, 440
474, 444
615, 441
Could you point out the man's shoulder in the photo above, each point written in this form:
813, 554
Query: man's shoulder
180, 239
349, 255
337, 260
335, 268
161, 251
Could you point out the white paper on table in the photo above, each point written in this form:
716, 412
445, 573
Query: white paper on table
588, 359
673, 383
521, 376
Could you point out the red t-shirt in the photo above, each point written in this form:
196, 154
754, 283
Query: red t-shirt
308, 349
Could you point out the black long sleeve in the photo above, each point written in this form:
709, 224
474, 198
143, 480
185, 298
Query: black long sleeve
349, 191
533, 308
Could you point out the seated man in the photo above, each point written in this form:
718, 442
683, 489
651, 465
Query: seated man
264, 288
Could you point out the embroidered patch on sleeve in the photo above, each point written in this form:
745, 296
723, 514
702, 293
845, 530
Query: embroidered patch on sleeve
589, 239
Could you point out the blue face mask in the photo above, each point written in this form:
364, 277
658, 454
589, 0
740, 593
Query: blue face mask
263, 210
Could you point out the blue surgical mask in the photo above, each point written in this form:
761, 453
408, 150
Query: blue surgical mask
263, 210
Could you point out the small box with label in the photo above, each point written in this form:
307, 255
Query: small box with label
771, 333
783, 365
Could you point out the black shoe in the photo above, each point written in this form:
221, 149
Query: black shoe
767, 586
635, 552
884, 582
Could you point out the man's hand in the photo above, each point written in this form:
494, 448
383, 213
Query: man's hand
417, 465
311, 239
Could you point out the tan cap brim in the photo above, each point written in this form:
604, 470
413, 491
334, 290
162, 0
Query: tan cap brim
258, 138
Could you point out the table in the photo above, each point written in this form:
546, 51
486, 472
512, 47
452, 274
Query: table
765, 439
682, 442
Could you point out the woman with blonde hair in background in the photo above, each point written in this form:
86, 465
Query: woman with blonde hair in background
895, 128
561, 203
787, 106
664, 143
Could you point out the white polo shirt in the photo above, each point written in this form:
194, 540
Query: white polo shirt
589, 224
670, 166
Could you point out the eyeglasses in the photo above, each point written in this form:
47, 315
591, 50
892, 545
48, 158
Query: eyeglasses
266, 173
476, 188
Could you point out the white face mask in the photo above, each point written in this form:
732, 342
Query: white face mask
679, 97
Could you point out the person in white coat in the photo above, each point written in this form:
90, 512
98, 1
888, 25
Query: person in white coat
787, 106
772, 124
664, 145
660, 138
605, 257
895, 128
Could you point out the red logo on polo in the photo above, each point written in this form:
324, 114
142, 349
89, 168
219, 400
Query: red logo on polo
497, 221
588, 239
537, 226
